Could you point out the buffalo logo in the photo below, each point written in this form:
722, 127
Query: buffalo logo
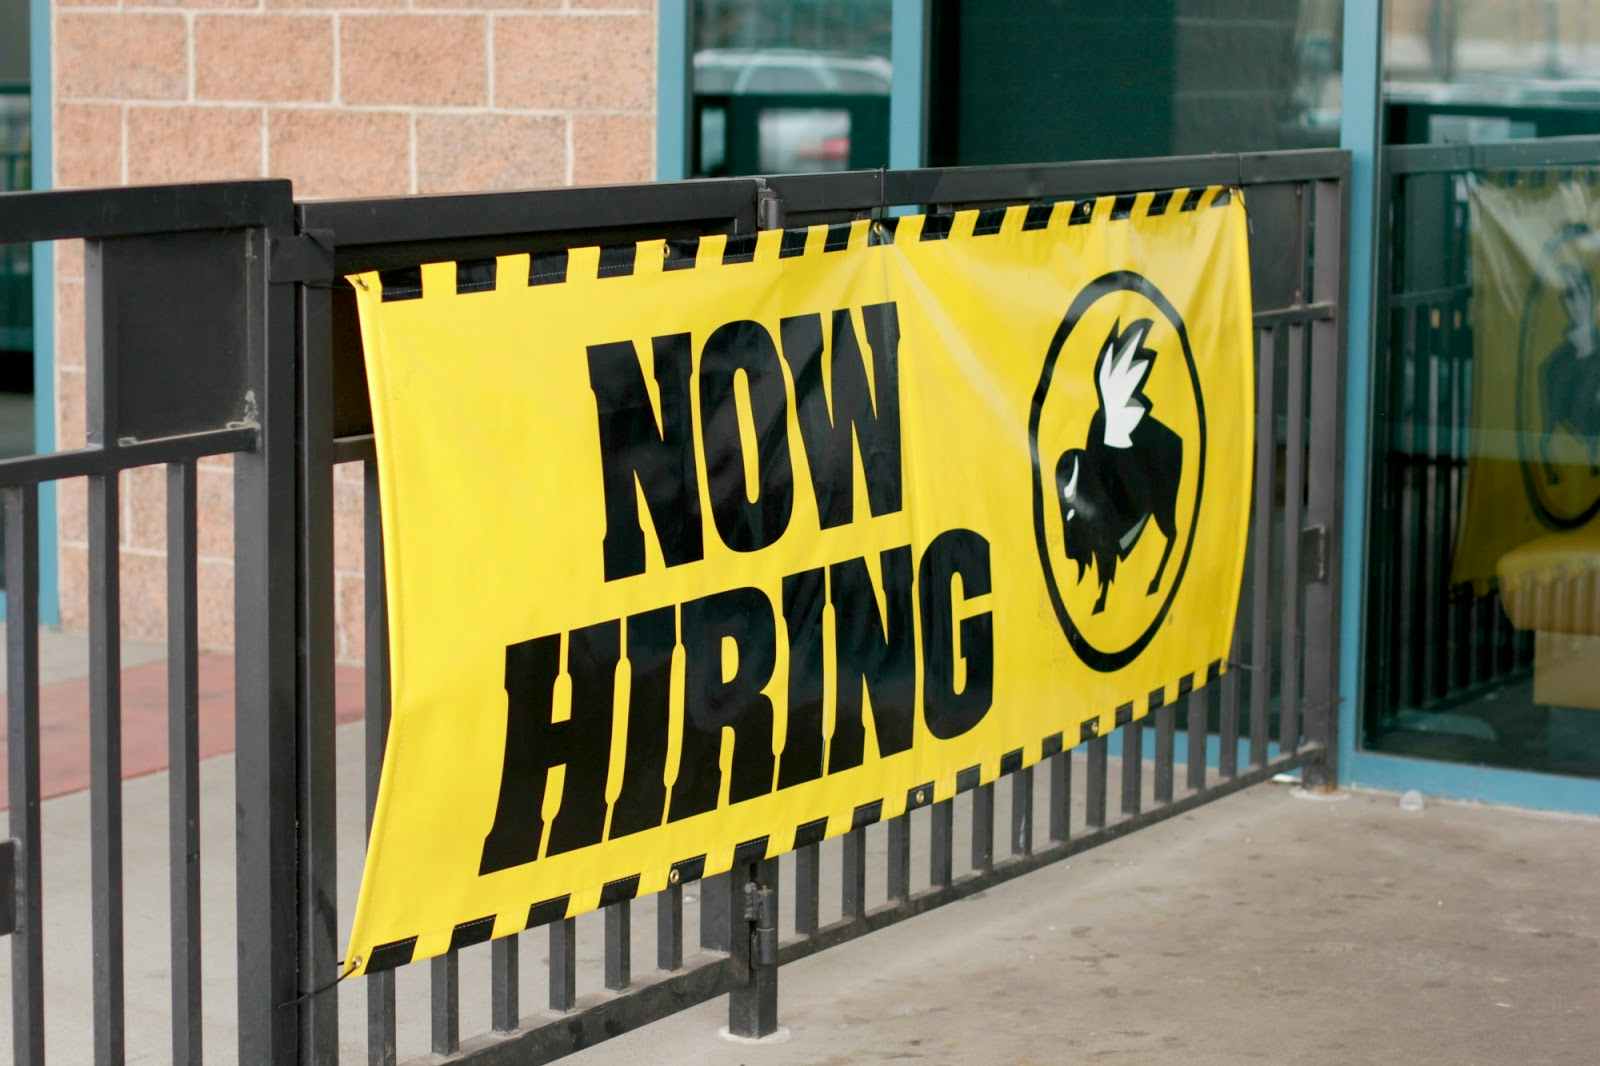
1558, 384
1118, 420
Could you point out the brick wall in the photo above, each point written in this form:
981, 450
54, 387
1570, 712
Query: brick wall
368, 97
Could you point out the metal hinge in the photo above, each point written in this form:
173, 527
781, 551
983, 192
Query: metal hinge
761, 912
8, 887
1314, 555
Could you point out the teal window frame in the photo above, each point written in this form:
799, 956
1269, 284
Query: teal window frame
44, 311
675, 86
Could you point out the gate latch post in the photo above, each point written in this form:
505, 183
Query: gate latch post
753, 997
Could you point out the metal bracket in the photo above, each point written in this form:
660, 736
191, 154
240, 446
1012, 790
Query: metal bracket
1314, 555
305, 257
769, 206
8, 887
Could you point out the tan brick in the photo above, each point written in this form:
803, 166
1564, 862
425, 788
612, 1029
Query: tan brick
612, 5
609, 149
69, 408
216, 605
473, 153
348, 531
72, 510
492, 5
144, 508
214, 504
69, 324
275, 58
69, 259
201, 5
575, 62
88, 140
336, 5
72, 585
144, 596
423, 60
178, 144
114, 54
350, 619
329, 153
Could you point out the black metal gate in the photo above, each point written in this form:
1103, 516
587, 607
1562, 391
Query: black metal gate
264, 363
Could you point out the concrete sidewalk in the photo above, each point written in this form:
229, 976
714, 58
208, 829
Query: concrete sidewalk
1263, 927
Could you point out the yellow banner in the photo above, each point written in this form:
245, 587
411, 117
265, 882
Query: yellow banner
1533, 482
700, 552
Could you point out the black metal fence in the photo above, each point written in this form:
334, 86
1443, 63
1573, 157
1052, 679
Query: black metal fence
264, 364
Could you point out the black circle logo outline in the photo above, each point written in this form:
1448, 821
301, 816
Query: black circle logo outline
1547, 518
1104, 285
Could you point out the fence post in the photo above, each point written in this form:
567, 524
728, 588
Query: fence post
265, 656
753, 1000
1324, 483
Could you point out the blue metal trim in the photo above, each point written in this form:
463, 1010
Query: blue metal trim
908, 112
674, 84
1484, 784
44, 306
1361, 132
1180, 744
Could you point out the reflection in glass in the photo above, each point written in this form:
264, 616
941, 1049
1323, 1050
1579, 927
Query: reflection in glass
1484, 616
1470, 71
1027, 81
1483, 620
794, 87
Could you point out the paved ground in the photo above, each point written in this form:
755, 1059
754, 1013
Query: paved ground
1261, 928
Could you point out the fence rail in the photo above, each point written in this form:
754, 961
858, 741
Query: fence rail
284, 393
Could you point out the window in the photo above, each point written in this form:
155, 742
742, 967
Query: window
796, 87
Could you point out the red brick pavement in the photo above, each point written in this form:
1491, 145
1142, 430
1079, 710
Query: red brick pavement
64, 721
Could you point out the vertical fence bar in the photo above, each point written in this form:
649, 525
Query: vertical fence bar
942, 844
1261, 536
669, 928
853, 877
1228, 719
504, 993
265, 654
381, 1049
444, 1002
898, 868
1325, 465
1293, 519
105, 769
1022, 811
1132, 767
714, 904
1194, 727
1060, 796
183, 761
563, 964
619, 944
983, 828
1094, 800
317, 796
807, 889
1164, 754
22, 764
